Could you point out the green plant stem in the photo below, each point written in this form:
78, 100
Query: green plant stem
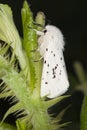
83, 116
30, 44
79, 72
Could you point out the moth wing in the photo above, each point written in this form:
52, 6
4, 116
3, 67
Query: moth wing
54, 76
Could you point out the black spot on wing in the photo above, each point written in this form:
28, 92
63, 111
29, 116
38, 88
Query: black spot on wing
54, 76
46, 82
54, 55
61, 58
63, 66
53, 73
48, 65
46, 49
55, 67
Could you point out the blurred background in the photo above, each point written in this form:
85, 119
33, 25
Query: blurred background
71, 17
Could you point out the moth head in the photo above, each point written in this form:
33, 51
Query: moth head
56, 35
51, 28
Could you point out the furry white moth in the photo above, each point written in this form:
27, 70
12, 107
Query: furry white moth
54, 80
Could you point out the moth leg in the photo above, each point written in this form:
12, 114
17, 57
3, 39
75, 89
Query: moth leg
35, 50
39, 33
38, 59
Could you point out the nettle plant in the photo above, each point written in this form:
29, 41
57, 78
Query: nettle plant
20, 76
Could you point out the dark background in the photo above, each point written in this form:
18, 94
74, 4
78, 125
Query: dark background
71, 17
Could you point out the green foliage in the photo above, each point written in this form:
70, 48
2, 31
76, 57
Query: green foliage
22, 84
9, 33
84, 114
30, 44
83, 87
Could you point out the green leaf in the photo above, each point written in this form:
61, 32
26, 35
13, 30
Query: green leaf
80, 72
30, 44
29, 41
83, 115
21, 125
50, 103
24, 86
9, 33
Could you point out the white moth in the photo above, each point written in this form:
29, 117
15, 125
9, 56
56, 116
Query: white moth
54, 80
